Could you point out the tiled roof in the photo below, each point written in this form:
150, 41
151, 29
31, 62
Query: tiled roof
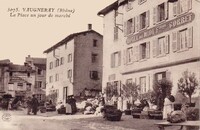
39, 61
15, 67
5, 61
15, 79
68, 38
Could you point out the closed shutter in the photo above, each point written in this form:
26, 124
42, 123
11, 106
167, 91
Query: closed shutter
112, 60
137, 53
155, 15
154, 47
174, 41
190, 37
178, 8
178, 41
147, 18
133, 25
148, 50
125, 28
115, 32
175, 8
134, 53
166, 10
167, 44
119, 59
189, 4
168, 75
124, 56
137, 23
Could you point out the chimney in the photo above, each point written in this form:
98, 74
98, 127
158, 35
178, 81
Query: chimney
29, 56
89, 26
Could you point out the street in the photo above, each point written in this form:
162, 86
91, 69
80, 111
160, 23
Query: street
53, 121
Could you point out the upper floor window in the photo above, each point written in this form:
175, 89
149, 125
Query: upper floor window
50, 79
131, 26
94, 43
115, 33
144, 50
160, 13
116, 59
161, 46
61, 60
142, 21
130, 55
57, 62
94, 57
51, 65
160, 76
57, 77
141, 1
94, 75
69, 73
69, 58
39, 71
181, 6
129, 5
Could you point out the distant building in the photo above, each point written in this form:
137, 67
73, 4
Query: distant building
75, 65
148, 40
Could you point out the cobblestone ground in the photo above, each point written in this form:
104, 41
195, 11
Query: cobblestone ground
52, 121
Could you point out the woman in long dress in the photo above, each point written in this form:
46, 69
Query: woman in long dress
168, 107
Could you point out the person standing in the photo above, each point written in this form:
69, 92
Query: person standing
168, 105
29, 105
35, 104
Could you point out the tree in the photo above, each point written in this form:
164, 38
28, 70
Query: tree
110, 91
161, 89
187, 84
131, 90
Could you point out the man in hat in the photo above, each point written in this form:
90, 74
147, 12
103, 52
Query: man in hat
35, 104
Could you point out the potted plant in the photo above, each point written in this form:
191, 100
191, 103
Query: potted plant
187, 85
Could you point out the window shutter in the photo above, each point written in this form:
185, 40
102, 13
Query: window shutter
112, 60
175, 8
133, 25
125, 28
168, 75
124, 57
134, 53
155, 15
137, 23
137, 53
148, 50
190, 37
154, 47
167, 44
178, 41
147, 18
166, 10
119, 59
178, 7
189, 4
174, 41
115, 32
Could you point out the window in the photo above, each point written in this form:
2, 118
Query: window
57, 62
182, 6
50, 79
10, 74
182, 40
39, 71
160, 75
116, 59
129, 81
129, 26
57, 77
50, 65
38, 84
94, 75
160, 13
143, 48
129, 5
141, 1
143, 20
161, 46
94, 58
69, 58
94, 43
61, 60
143, 84
69, 73
65, 45
130, 55
115, 33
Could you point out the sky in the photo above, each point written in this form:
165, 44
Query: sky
21, 36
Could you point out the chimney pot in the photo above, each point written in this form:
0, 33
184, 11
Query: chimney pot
89, 26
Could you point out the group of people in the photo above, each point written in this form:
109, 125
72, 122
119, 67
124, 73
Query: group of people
32, 105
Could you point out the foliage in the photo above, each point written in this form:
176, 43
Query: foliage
192, 113
52, 97
187, 84
161, 89
111, 90
130, 90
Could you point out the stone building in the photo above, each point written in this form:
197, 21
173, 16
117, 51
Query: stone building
148, 40
74, 65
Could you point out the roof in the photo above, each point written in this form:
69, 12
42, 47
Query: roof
68, 38
18, 68
36, 60
5, 61
112, 6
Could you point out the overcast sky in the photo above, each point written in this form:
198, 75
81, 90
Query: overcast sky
20, 36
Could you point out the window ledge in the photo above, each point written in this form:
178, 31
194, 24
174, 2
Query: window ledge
182, 50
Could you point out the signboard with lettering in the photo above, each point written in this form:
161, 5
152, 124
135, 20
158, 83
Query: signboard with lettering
179, 21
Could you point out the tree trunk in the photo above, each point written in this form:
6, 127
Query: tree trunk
190, 99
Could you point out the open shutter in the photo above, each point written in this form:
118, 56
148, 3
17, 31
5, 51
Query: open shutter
119, 59
189, 4
134, 54
174, 41
190, 37
175, 8
178, 41
155, 15
112, 60
125, 28
154, 47
148, 50
167, 44
168, 75
166, 10
137, 52
147, 18
133, 25
137, 23
124, 57
178, 11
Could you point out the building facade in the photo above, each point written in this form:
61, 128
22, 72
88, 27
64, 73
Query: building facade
149, 40
74, 65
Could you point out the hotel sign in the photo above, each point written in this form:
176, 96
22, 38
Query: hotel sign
182, 20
